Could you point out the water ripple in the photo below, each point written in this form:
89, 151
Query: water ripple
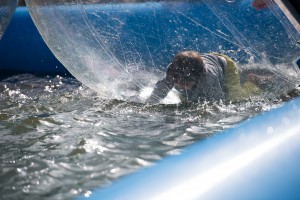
59, 139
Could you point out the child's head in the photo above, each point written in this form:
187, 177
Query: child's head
185, 69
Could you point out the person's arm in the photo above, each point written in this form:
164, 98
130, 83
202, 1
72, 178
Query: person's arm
161, 90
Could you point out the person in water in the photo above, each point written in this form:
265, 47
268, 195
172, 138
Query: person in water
209, 77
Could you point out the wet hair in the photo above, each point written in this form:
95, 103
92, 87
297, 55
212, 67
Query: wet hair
187, 62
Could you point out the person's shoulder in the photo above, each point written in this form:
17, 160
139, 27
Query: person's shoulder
223, 60
206, 55
213, 63
210, 56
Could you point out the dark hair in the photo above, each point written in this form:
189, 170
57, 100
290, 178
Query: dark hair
187, 61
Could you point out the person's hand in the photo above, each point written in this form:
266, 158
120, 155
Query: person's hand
261, 4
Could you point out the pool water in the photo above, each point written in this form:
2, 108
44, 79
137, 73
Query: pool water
59, 139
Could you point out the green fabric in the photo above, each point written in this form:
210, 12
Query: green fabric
236, 91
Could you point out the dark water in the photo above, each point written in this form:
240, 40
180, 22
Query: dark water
59, 139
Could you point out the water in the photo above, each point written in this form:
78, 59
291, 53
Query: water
59, 139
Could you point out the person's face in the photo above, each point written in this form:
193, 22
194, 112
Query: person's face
183, 80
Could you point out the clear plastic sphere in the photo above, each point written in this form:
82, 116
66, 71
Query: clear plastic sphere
120, 47
7, 9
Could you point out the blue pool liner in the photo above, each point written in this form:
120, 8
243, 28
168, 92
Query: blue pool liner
23, 50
